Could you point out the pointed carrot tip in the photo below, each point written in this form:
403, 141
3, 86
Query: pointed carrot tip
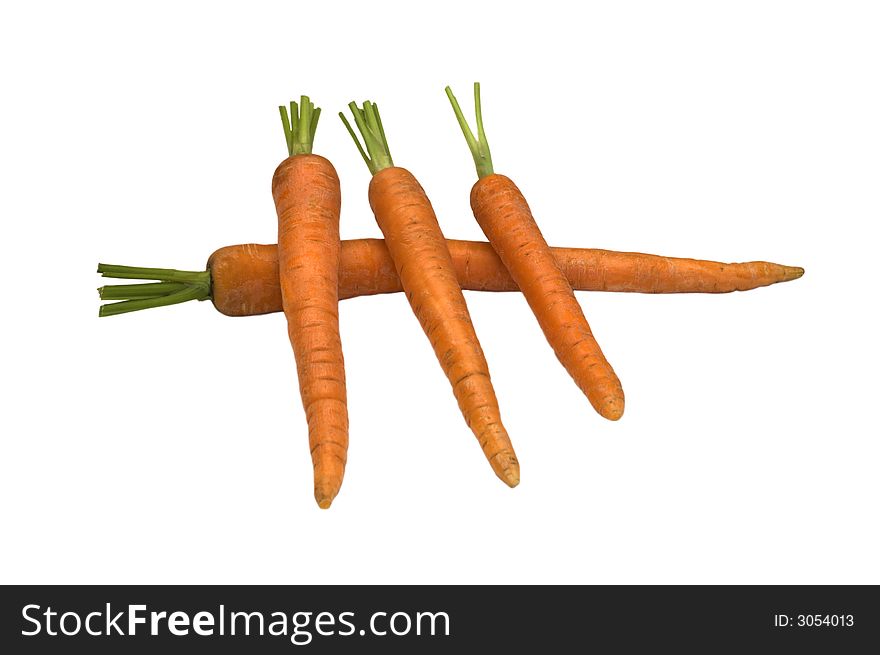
612, 409
325, 495
511, 478
506, 467
794, 272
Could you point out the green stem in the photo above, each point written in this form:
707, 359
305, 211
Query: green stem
377, 155
161, 274
479, 146
300, 126
132, 291
169, 288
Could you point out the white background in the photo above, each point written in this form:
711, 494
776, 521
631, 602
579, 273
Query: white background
170, 445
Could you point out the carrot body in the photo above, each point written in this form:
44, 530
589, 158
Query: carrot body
245, 277
505, 218
427, 275
307, 198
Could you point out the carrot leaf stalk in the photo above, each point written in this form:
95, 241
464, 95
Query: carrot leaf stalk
300, 125
369, 124
479, 146
169, 287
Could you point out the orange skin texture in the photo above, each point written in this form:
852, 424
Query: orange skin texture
423, 264
506, 220
307, 199
244, 278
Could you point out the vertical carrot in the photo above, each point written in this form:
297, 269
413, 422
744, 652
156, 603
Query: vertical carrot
305, 188
506, 220
423, 263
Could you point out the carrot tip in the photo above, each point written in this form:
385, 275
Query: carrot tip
511, 478
611, 408
506, 467
325, 494
794, 272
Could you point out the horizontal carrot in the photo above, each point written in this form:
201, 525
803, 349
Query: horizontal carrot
242, 280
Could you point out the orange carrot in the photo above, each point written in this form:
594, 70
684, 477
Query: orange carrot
242, 280
307, 198
506, 220
424, 266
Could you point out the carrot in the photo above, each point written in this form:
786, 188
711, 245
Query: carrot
424, 266
506, 220
305, 188
242, 280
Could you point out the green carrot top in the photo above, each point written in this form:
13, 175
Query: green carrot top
479, 147
169, 287
300, 126
377, 155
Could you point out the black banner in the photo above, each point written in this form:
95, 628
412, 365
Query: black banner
412, 619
